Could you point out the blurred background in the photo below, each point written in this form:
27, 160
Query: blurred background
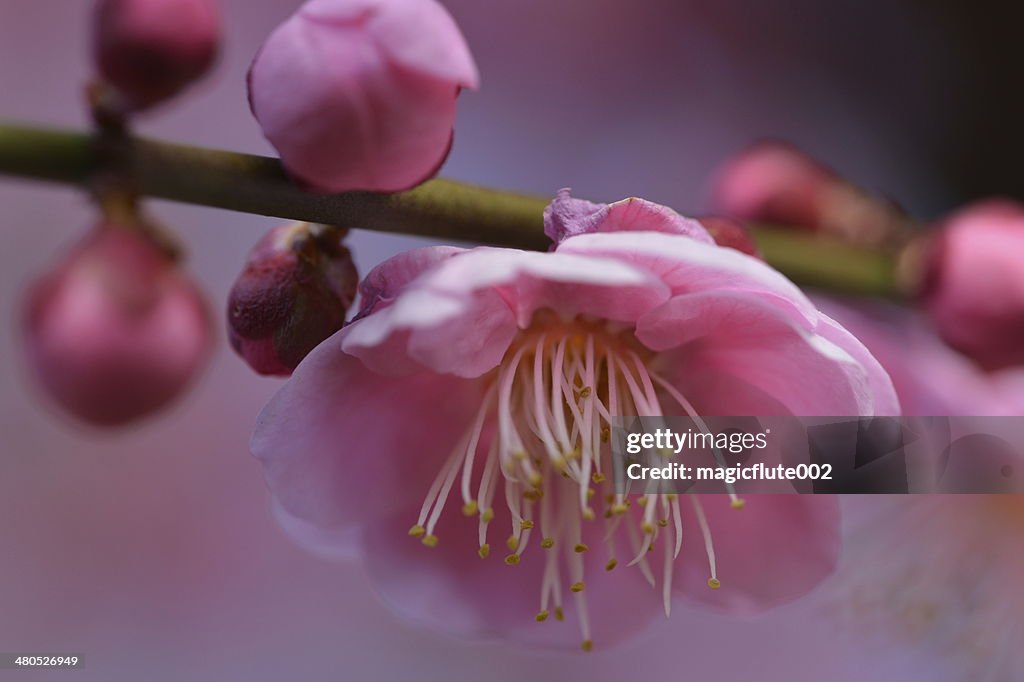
153, 550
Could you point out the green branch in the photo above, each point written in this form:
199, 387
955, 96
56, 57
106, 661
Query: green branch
441, 209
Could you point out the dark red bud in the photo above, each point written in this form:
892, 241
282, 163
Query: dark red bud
295, 290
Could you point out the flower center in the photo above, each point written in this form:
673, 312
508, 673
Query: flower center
549, 407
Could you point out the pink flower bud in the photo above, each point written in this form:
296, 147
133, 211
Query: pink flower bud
150, 50
116, 331
296, 287
974, 282
773, 182
360, 94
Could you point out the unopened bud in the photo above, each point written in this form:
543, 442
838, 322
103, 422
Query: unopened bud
360, 94
116, 331
297, 285
149, 50
774, 182
973, 286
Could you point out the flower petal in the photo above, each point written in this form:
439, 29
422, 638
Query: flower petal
383, 283
567, 217
775, 549
341, 444
740, 335
687, 265
461, 315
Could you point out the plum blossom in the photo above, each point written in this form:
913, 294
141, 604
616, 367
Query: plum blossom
361, 94
294, 291
116, 330
974, 286
468, 406
149, 50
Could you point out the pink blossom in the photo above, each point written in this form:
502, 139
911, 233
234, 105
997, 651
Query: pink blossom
360, 94
493, 373
974, 291
116, 331
296, 287
152, 49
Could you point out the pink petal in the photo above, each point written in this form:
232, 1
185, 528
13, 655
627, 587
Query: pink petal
462, 315
742, 336
567, 217
687, 265
341, 444
775, 549
383, 283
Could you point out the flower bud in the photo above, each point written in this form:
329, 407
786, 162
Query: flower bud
974, 282
116, 331
775, 182
360, 94
297, 285
149, 50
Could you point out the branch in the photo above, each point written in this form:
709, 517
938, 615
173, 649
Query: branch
441, 209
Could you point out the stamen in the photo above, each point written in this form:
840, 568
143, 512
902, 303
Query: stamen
709, 546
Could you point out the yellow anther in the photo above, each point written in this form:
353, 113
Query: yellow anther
607, 513
560, 463
484, 551
650, 548
619, 509
519, 456
577, 587
542, 616
642, 501
547, 543
606, 434
417, 531
610, 566
487, 516
512, 559
714, 583
512, 543
671, 497
470, 508
526, 524
533, 494
666, 453
430, 541
588, 514
574, 453
598, 477
559, 613
586, 391
580, 548
590, 493
662, 523
587, 645
536, 479
738, 503
647, 527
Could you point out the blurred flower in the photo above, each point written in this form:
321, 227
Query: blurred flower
730, 233
974, 282
360, 94
150, 50
116, 331
297, 284
775, 182
495, 373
